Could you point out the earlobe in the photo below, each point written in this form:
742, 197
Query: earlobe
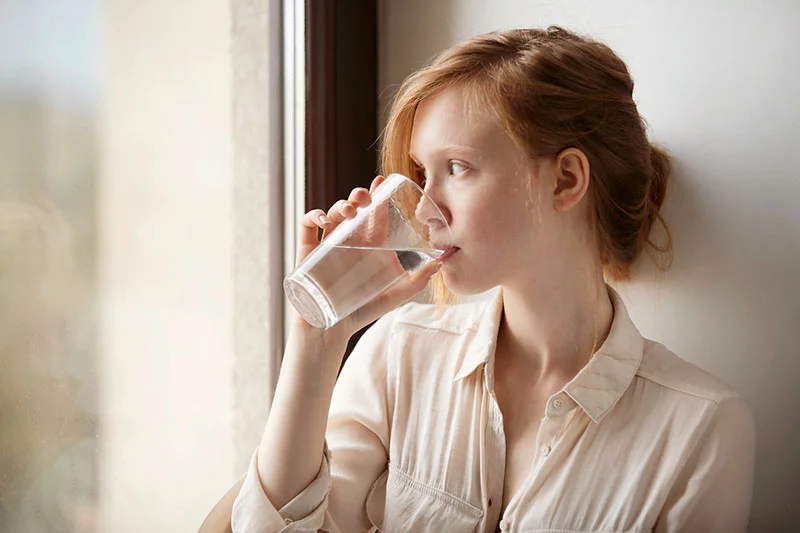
572, 179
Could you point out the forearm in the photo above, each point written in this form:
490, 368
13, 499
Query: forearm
292, 445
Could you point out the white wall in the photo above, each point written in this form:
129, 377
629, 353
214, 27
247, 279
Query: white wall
166, 237
719, 84
190, 262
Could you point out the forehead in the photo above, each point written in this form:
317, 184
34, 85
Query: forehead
455, 117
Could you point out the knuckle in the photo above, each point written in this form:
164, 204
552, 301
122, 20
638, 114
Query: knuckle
358, 191
337, 207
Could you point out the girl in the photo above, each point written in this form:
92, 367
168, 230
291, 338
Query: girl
541, 407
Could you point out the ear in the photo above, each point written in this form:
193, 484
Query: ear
571, 179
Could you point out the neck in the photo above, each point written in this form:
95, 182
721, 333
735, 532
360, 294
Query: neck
553, 330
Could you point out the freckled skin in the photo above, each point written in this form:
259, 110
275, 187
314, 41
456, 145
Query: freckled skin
477, 176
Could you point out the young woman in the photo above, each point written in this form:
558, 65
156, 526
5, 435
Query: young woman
541, 407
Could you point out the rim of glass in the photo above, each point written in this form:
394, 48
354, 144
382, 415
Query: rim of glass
397, 175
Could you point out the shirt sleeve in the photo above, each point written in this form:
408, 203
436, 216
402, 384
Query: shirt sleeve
358, 432
355, 454
254, 513
714, 489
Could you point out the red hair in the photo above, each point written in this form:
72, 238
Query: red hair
553, 90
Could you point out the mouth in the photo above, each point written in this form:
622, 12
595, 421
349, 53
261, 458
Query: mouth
448, 253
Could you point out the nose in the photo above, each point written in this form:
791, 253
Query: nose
433, 215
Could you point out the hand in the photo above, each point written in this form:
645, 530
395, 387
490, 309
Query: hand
376, 235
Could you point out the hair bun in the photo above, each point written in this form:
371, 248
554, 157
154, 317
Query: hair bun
662, 167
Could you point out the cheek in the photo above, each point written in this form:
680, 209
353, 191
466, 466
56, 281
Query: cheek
498, 234
501, 214
497, 210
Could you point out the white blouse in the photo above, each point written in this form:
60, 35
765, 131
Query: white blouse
639, 440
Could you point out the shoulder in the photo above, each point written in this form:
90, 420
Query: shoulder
718, 419
458, 318
663, 368
674, 395
419, 341
411, 324
696, 394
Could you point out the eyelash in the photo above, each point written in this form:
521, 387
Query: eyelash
420, 170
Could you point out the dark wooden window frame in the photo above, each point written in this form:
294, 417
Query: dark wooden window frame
341, 100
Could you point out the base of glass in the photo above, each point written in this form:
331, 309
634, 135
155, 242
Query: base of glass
309, 300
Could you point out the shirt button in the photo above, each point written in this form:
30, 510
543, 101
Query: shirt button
558, 403
546, 450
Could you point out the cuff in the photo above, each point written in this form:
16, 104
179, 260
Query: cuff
254, 513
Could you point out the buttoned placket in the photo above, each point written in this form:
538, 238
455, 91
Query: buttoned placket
553, 424
495, 446
552, 427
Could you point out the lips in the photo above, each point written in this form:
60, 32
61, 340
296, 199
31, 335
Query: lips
449, 253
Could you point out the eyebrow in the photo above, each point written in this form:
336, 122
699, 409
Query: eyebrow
445, 148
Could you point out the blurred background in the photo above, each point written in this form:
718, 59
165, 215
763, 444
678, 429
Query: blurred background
155, 158
50, 76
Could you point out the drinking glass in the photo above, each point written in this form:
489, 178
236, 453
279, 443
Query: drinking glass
400, 230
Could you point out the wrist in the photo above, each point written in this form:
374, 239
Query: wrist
318, 344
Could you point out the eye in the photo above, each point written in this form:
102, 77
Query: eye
455, 168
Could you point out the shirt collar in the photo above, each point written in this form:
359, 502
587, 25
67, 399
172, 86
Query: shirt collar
600, 384
481, 348
605, 378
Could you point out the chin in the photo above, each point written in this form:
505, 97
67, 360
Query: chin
465, 287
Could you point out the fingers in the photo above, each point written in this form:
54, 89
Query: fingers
338, 213
376, 182
398, 294
359, 197
309, 232
310, 224
345, 209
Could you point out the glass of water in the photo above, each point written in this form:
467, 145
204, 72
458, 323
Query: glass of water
399, 231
